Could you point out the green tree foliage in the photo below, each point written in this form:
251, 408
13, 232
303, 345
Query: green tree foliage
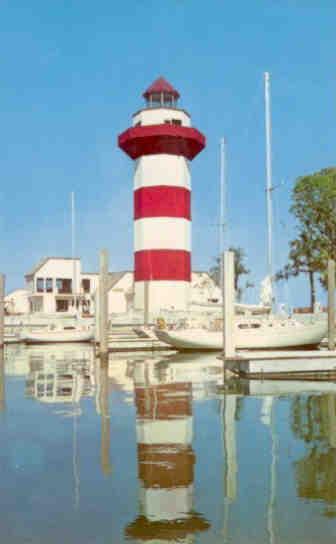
304, 258
313, 420
239, 271
314, 207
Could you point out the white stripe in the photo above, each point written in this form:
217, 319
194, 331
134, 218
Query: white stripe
175, 431
162, 170
162, 294
162, 233
169, 504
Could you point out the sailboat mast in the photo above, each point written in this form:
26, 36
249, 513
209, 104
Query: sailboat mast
222, 198
74, 286
269, 185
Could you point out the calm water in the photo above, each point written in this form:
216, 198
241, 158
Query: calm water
155, 450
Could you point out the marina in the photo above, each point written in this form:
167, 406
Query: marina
162, 449
168, 273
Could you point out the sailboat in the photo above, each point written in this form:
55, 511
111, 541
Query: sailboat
271, 333
56, 332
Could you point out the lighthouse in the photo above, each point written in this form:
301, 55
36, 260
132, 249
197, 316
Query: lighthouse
165, 456
162, 142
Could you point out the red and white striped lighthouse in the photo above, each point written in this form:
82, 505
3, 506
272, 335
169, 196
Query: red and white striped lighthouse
162, 142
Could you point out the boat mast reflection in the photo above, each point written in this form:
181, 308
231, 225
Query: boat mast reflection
165, 458
2, 381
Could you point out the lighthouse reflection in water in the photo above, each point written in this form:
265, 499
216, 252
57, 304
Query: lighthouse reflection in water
165, 458
159, 449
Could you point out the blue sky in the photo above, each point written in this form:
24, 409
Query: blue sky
72, 73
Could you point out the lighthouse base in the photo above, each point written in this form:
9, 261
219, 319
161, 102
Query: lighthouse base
161, 295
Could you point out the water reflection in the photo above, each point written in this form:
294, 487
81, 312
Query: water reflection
165, 456
104, 410
65, 375
2, 381
313, 420
60, 374
163, 451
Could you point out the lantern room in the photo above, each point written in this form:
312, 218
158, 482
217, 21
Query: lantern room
161, 94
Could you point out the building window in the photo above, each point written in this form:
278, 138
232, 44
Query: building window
86, 285
138, 124
49, 285
62, 305
64, 285
40, 285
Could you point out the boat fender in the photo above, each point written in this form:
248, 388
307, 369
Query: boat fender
161, 324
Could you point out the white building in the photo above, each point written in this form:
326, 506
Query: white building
55, 285
58, 285
17, 302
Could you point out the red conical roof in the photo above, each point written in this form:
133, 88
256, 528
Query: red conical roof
161, 85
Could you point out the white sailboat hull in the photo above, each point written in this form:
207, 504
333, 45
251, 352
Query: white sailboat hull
56, 337
266, 337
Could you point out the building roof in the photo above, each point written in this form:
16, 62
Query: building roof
161, 85
114, 278
43, 261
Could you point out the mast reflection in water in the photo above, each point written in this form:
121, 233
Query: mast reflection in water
2, 381
165, 459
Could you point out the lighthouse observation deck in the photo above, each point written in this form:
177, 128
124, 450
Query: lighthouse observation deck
161, 127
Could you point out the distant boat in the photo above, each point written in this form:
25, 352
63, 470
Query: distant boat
249, 334
56, 335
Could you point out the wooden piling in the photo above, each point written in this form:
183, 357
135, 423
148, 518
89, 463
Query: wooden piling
331, 304
2, 310
228, 305
105, 416
103, 306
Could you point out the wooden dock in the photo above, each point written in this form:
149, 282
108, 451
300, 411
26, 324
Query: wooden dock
134, 338
284, 365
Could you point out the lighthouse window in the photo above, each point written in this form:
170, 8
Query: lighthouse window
176, 122
155, 99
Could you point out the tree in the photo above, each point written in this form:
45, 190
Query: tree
304, 258
314, 207
239, 271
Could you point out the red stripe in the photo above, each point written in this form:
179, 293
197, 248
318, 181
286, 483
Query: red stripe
162, 264
162, 201
155, 139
